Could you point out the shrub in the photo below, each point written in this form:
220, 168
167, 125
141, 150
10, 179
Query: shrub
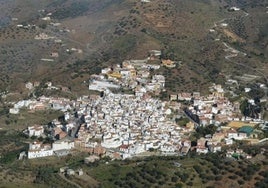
190, 183
179, 185
174, 179
233, 177
198, 169
240, 182
217, 178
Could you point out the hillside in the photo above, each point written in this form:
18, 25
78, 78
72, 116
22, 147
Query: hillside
108, 32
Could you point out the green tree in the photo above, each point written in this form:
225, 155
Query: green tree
244, 107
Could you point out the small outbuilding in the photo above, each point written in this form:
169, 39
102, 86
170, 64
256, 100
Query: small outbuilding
70, 172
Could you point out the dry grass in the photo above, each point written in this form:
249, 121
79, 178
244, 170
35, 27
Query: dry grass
239, 124
234, 37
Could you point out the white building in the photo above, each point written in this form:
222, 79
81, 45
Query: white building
102, 85
37, 150
237, 136
167, 148
29, 85
14, 111
247, 89
136, 149
200, 150
35, 130
62, 145
146, 1
215, 148
111, 143
234, 8
47, 18
229, 141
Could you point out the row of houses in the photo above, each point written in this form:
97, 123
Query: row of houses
225, 137
42, 103
59, 148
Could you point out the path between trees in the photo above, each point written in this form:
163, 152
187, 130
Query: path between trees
69, 181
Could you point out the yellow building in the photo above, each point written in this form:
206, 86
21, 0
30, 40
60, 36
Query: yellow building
168, 63
115, 75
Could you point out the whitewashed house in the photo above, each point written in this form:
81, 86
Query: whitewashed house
38, 149
35, 131
63, 145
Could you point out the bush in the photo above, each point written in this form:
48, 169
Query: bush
174, 179
217, 178
233, 177
215, 171
240, 182
190, 183
198, 169
264, 174
179, 185
260, 184
184, 177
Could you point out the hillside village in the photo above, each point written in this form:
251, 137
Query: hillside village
127, 119
133, 93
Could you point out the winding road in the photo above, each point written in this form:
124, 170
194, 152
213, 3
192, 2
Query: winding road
232, 52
